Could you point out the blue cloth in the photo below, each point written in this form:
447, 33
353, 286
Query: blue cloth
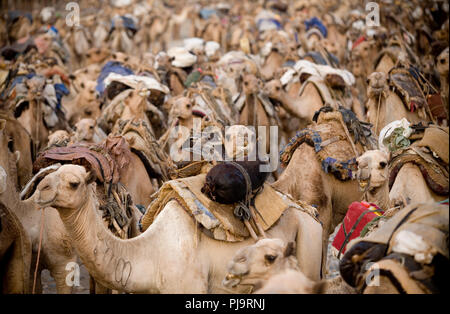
207, 13
110, 67
278, 24
127, 23
318, 59
315, 22
60, 90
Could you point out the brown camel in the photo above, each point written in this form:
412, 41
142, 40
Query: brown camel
56, 250
20, 144
15, 254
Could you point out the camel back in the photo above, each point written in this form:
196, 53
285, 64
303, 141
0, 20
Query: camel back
217, 220
331, 144
105, 159
143, 142
393, 247
431, 155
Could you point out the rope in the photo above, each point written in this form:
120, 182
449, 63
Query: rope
378, 113
39, 249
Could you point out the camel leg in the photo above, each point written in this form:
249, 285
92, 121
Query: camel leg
16, 279
60, 273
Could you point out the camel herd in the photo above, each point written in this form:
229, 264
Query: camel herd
117, 124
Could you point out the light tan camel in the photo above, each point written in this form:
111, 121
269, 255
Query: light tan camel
373, 177
149, 263
86, 131
270, 266
384, 106
409, 185
301, 106
84, 103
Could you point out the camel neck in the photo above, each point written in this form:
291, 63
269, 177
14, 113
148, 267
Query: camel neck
113, 262
380, 196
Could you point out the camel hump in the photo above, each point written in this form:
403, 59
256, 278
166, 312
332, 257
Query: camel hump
218, 219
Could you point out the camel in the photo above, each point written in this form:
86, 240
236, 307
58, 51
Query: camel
56, 250
119, 39
273, 62
20, 144
84, 104
139, 265
15, 253
442, 68
409, 185
301, 106
78, 42
269, 266
86, 130
304, 179
373, 177
384, 106
30, 115
253, 112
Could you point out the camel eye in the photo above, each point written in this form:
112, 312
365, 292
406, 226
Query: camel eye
270, 258
442, 61
245, 83
383, 165
74, 185
91, 127
278, 88
88, 112
97, 52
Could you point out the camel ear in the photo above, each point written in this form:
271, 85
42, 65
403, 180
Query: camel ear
290, 249
90, 177
2, 124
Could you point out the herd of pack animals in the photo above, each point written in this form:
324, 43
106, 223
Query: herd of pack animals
88, 113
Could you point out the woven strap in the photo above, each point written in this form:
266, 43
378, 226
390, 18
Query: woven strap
242, 210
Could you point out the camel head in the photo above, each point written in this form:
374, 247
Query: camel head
62, 187
250, 83
274, 90
88, 104
182, 108
377, 84
442, 62
84, 130
254, 264
372, 170
58, 138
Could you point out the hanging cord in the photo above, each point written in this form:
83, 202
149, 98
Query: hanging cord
378, 112
39, 250
243, 209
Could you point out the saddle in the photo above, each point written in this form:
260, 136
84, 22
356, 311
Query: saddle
331, 144
431, 154
142, 141
411, 249
104, 159
217, 220
407, 88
